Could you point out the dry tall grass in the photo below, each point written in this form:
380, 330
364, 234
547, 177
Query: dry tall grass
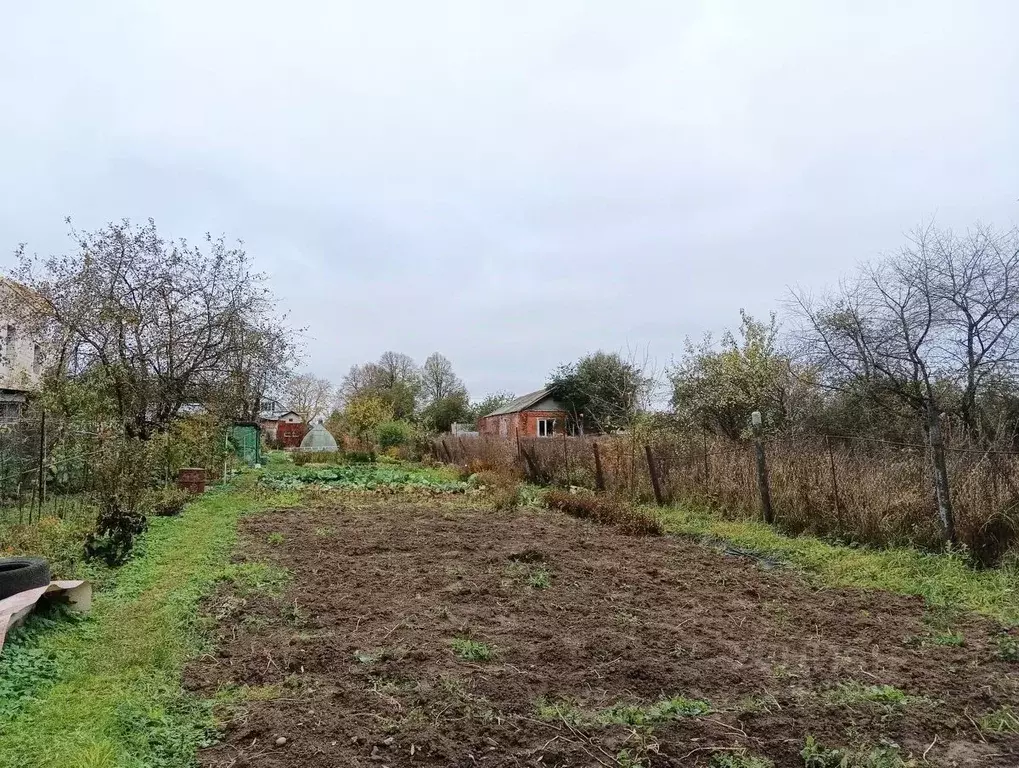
862, 491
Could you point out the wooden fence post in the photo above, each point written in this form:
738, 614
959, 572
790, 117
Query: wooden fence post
834, 483
704, 443
656, 483
762, 469
532, 468
566, 457
599, 476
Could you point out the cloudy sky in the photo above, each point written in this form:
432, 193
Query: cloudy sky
513, 183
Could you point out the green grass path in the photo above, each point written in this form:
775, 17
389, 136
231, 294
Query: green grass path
116, 700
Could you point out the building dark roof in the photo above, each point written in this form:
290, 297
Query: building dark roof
524, 402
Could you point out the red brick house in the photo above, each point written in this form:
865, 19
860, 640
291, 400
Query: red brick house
533, 415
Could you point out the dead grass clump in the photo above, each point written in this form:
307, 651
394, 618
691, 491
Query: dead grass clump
587, 506
504, 491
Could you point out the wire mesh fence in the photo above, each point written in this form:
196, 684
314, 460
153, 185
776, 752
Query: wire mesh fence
49, 467
46, 468
857, 489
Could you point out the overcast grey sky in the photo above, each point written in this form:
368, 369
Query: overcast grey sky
513, 183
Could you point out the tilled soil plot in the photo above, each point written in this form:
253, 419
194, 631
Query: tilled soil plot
604, 650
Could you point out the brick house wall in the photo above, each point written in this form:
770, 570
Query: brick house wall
524, 422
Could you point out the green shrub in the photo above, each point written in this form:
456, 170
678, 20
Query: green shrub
391, 434
192, 441
166, 501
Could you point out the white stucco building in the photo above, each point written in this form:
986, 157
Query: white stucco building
22, 355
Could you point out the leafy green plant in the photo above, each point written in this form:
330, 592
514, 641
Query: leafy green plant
649, 714
539, 579
1007, 647
816, 755
852, 692
366, 477
739, 759
122, 475
275, 538
631, 758
471, 650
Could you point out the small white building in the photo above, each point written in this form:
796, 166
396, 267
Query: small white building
22, 355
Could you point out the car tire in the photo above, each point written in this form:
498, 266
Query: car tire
20, 573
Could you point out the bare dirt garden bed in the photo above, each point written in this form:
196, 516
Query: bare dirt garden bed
428, 633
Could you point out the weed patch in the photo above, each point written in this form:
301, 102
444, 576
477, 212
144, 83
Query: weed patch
1002, 720
815, 755
1007, 648
472, 650
621, 713
587, 506
739, 759
255, 579
649, 714
853, 693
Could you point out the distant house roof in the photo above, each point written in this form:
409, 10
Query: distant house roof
526, 402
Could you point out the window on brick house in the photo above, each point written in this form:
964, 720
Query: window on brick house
546, 427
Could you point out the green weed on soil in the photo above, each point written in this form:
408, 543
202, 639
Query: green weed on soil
105, 692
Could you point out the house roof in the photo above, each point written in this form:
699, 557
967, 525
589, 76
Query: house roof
524, 402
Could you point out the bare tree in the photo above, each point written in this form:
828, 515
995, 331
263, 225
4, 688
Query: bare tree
162, 324
438, 381
926, 326
394, 377
308, 395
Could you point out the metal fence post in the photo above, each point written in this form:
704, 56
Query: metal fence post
42, 461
